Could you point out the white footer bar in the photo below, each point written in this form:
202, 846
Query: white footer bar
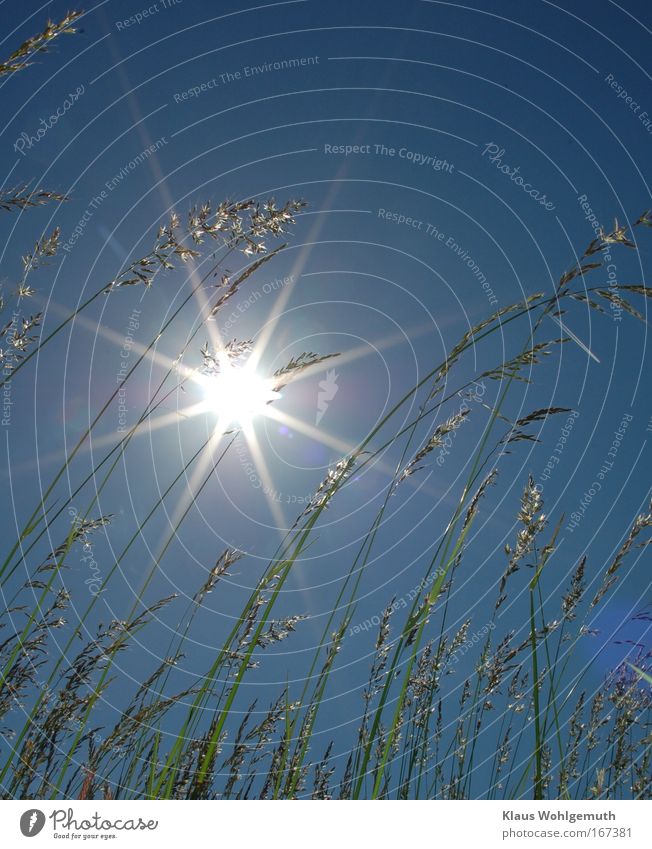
330, 824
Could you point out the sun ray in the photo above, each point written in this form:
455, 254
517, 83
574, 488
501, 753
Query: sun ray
361, 351
119, 338
342, 447
249, 434
186, 499
275, 314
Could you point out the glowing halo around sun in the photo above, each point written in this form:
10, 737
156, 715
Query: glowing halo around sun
236, 394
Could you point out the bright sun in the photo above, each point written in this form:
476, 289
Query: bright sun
237, 394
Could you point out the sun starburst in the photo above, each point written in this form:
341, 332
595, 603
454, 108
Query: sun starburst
236, 394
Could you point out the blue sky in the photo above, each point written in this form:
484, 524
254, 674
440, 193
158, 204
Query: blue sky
392, 121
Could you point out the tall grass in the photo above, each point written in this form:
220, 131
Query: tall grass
523, 698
